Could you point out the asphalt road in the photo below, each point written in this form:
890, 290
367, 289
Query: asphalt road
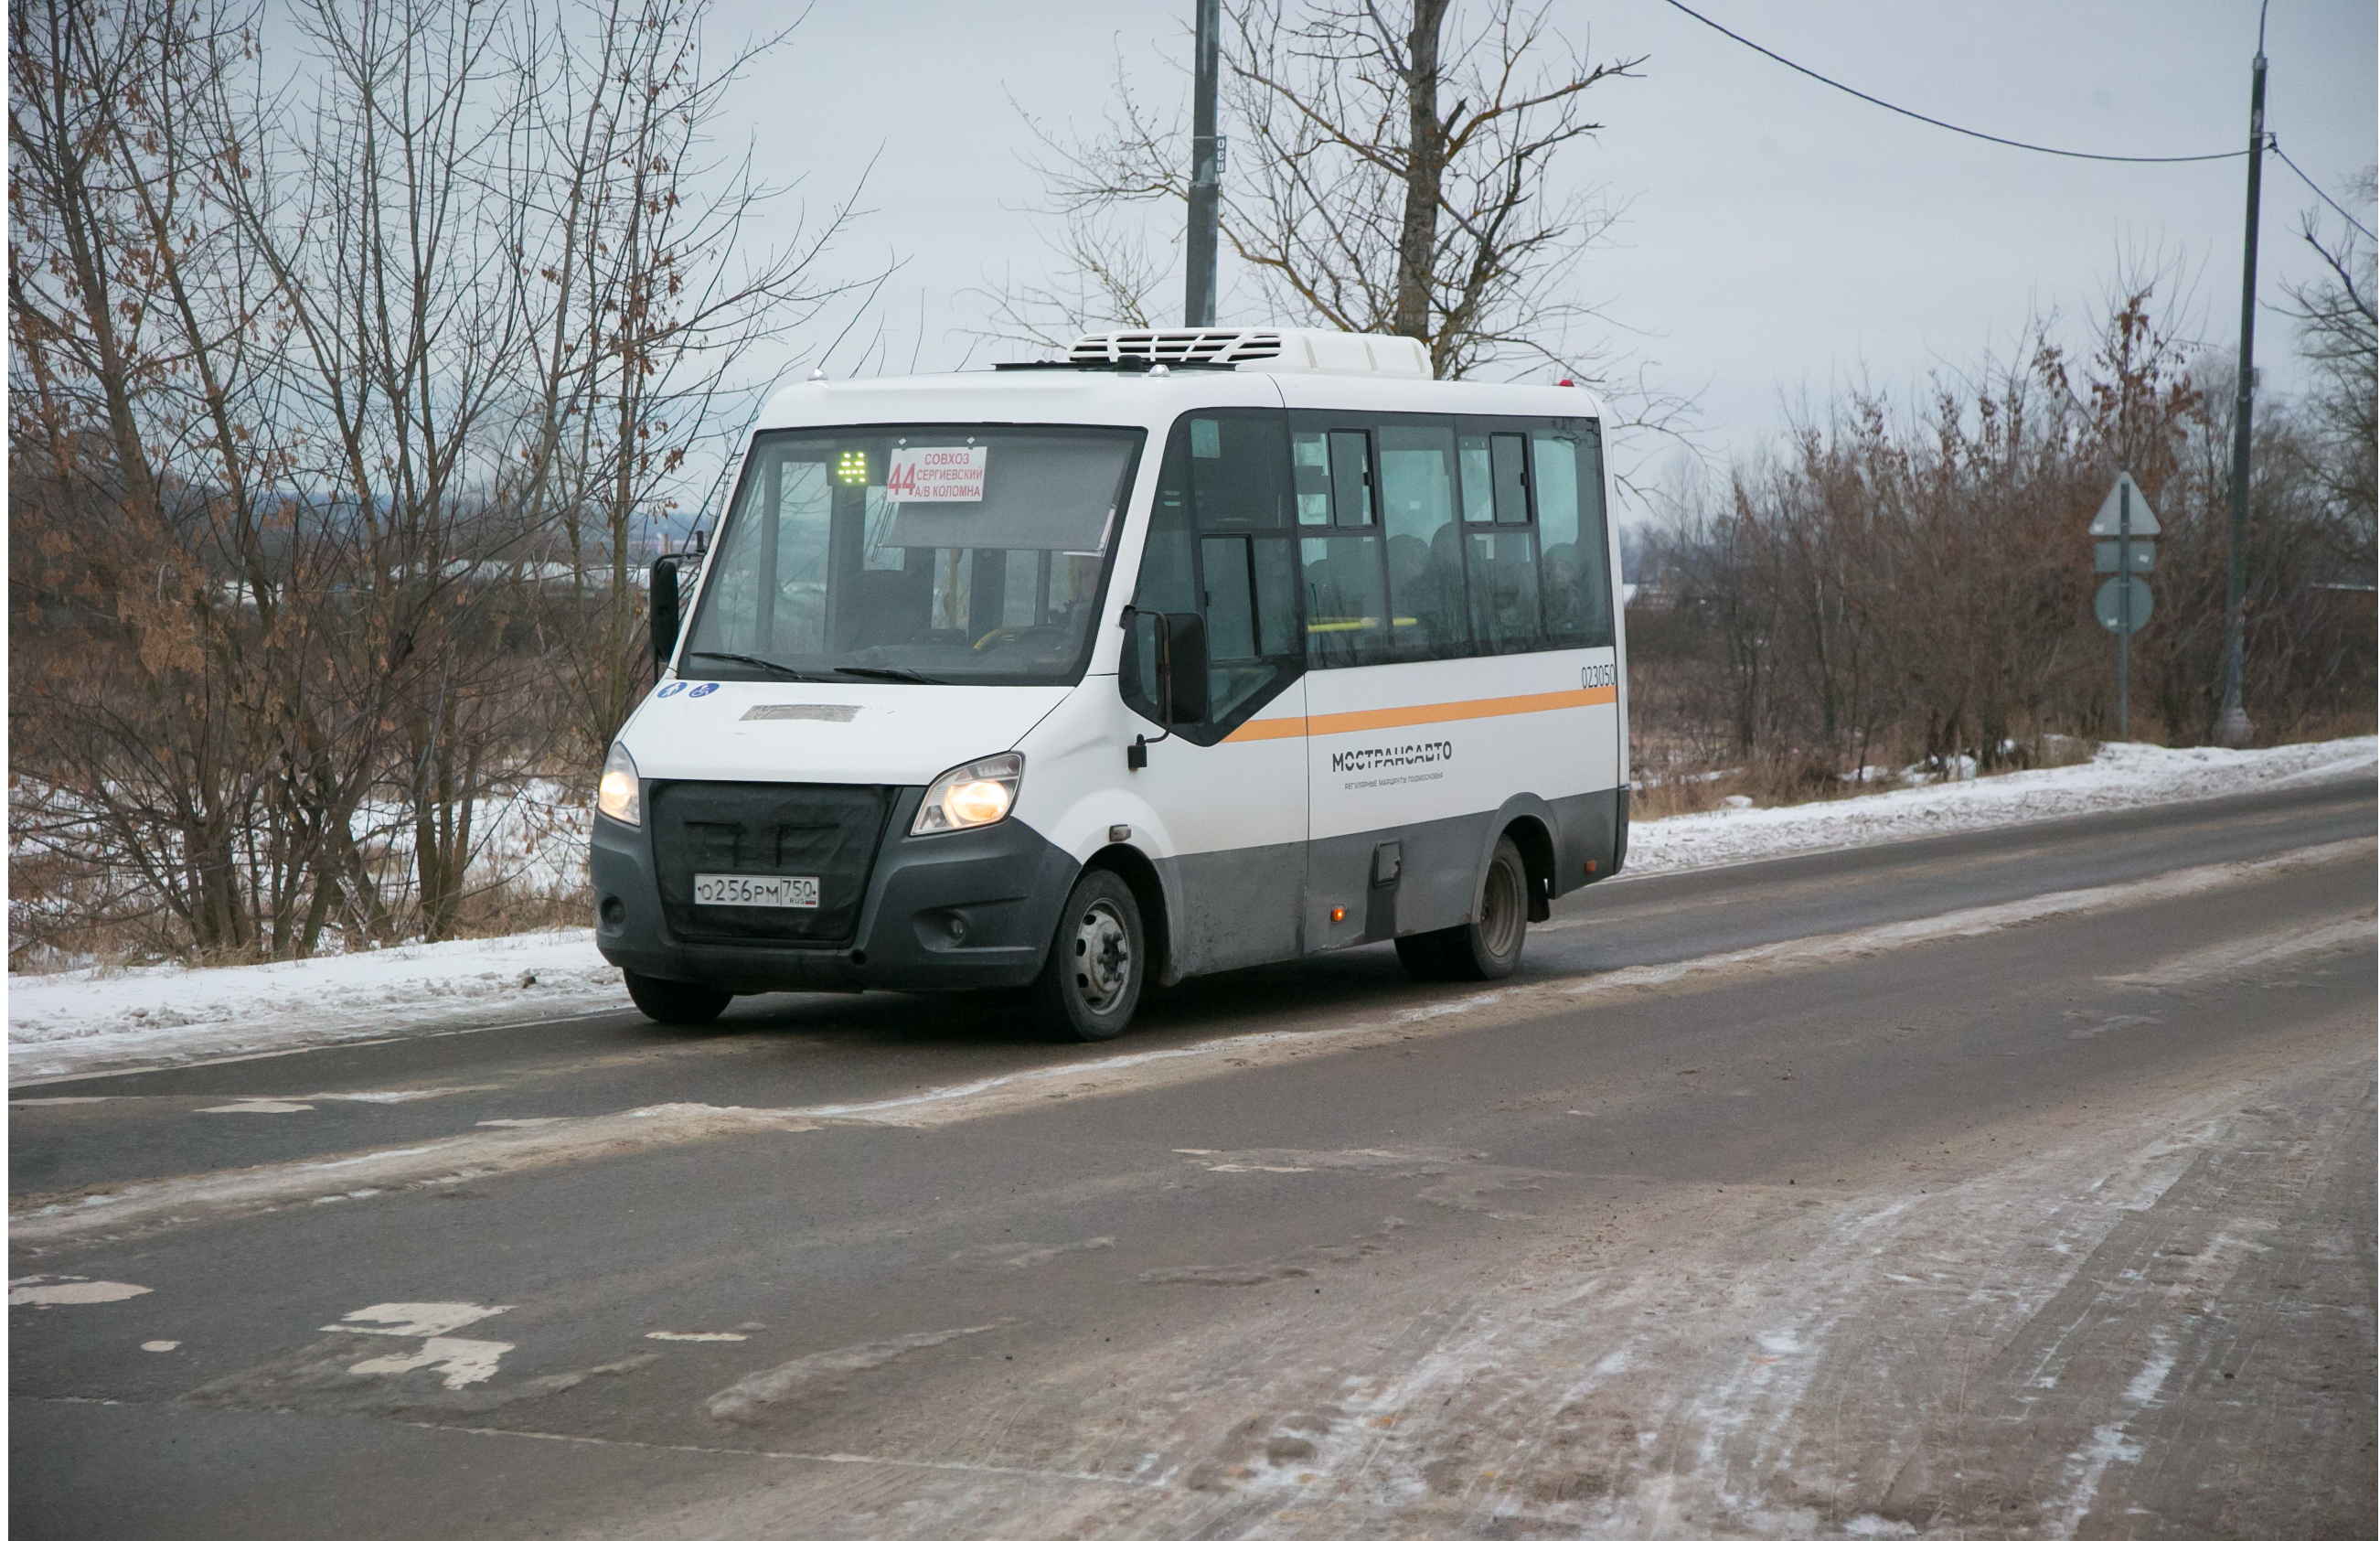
2015, 1183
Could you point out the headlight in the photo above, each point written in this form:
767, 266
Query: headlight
618, 795
967, 797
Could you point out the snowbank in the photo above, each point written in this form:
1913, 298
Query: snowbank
2120, 776
68, 1024
88, 1020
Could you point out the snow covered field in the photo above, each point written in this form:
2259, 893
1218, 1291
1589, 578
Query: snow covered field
2120, 776
92, 1020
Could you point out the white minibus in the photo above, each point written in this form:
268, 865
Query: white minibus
1190, 651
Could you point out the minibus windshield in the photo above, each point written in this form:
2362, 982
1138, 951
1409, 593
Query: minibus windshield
966, 553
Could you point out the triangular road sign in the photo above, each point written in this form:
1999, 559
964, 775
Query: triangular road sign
2143, 518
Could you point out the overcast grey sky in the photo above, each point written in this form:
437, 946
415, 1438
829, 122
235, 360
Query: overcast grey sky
1780, 238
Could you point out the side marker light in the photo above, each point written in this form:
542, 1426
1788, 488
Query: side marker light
1338, 914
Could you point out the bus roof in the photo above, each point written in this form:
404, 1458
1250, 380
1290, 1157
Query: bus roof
1149, 398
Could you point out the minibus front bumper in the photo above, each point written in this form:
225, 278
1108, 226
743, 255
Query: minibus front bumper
973, 909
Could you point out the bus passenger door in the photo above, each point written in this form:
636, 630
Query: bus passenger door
1231, 786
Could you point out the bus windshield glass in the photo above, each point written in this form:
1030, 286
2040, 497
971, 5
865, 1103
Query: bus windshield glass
965, 553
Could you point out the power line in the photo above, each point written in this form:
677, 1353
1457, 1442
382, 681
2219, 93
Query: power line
2274, 145
1971, 133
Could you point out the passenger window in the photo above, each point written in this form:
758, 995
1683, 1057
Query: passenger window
1504, 615
1427, 615
1506, 453
1309, 455
1351, 480
1345, 616
1478, 481
1570, 527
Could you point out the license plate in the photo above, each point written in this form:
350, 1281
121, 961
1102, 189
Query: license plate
780, 894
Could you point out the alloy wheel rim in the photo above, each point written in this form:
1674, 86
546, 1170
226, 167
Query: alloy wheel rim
1102, 957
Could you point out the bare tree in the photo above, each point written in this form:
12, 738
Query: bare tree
146, 496
1391, 170
1904, 585
315, 372
649, 298
2338, 335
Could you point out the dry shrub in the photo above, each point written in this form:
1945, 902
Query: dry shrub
1905, 590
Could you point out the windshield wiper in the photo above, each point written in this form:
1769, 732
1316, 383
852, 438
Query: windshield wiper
774, 668
909, 676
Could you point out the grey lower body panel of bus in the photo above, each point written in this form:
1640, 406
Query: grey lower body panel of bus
977, 909
974, 909
1264, 903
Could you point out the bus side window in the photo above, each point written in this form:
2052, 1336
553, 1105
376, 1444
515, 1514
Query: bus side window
1428, 615
1218, 543
1169, 582
1236, 472
1243, 498
1351, 477
1230, 593
1505, 453
1346, 611
1596, 586
1478, 480
1309, 455
1570, 520
1339, 562
1506, 607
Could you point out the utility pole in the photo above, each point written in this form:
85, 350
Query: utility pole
2124, 610
1205, 171
2232, 724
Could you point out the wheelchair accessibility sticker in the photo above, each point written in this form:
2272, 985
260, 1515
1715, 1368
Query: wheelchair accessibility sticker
704, 689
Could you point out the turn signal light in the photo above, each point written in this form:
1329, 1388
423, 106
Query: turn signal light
1338, 914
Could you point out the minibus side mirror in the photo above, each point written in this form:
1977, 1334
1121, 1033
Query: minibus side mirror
1182, 668
664, 611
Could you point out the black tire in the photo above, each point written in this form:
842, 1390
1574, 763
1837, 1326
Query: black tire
1092, 982
1488, 948
674, 1001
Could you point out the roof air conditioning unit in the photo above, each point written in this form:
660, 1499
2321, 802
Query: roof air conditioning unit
1261, 350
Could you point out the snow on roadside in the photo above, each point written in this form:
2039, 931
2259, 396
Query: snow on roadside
2120, 776
92, 1020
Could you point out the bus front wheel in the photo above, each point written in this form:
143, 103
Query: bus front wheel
1489, 948
1091, 983
673, 1001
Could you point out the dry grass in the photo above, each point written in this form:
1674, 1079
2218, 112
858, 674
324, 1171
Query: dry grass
1681, 773
509, 907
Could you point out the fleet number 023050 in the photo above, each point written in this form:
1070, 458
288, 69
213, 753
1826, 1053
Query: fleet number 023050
783, 894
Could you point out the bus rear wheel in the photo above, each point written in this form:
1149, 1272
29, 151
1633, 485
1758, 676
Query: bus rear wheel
674, 1001
1091, 984
1488, 948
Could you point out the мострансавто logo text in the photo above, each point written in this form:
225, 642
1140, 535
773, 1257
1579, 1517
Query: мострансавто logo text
1386, 756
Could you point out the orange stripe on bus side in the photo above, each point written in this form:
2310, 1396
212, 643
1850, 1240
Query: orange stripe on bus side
1407, 717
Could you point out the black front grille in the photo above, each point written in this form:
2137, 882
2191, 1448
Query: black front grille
764, 828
